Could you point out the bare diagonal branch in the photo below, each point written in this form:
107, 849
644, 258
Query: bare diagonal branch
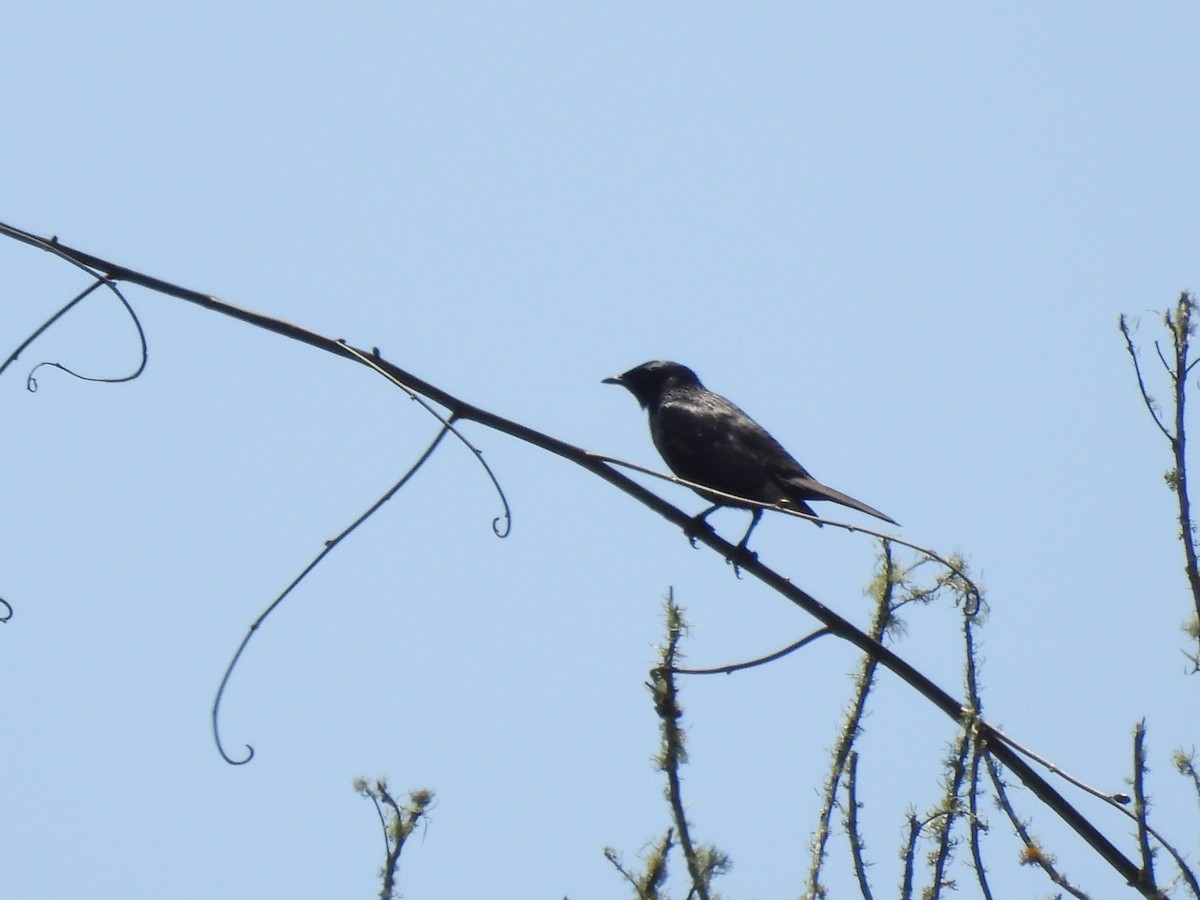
744, 559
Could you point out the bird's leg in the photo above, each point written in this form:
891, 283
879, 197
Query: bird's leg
753, 521
699, 520
742, 543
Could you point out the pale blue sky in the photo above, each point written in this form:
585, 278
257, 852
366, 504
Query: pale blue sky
899, 237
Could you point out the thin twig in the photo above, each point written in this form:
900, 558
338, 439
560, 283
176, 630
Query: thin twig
759, 661
647, 884
325, 551
1034, 854
1117, 799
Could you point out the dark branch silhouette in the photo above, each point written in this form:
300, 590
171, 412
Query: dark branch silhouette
959, 712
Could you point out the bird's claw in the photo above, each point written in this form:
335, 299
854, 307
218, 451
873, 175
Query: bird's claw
737, 570
692, 529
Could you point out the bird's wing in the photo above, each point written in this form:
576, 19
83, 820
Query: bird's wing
707, 439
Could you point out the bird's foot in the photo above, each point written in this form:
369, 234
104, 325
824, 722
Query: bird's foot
737, 570
693, 527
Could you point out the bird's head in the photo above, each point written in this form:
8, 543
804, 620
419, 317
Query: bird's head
649, 381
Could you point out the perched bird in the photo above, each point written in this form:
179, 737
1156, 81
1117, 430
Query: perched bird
707, 440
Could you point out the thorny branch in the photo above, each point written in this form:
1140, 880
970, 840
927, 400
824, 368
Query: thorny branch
397, 822
648, 883
977, 825
884, 590
1179, 324
743, 559
1141, 804
703, 862
963, 767
1034, 854
852, 829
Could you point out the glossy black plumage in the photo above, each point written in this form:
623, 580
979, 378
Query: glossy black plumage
706, 439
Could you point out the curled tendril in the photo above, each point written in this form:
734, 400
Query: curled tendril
100, 281
216, 710
329, 545
502, 524
7, 612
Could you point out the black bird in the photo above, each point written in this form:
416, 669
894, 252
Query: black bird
708, 440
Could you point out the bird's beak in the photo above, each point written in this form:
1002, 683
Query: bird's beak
616, 379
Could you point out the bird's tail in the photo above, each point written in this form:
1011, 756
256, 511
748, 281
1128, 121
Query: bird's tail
808, 489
